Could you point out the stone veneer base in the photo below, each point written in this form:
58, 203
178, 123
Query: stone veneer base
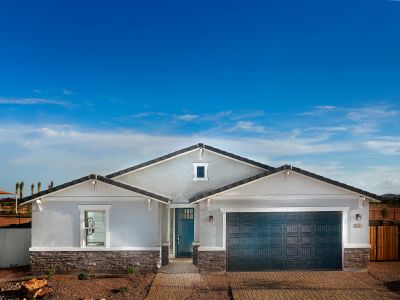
94, 261
164, 255
211, 261
195, 254
355, 259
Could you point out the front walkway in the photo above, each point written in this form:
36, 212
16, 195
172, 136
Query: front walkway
180, 279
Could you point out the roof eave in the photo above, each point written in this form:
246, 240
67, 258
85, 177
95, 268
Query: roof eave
110, 181
185, 150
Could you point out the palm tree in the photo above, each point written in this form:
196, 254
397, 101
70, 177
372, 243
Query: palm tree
21, 189
16, 197
39, 184
32, 188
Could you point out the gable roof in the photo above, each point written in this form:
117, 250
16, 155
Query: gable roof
99, 178
203, 196
187, 149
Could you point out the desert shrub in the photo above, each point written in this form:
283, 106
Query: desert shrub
50, 273
84, 276
123, 289
131, 270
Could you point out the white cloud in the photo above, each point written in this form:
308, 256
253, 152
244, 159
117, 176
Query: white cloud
67, 92
385, 145
371, 113
64, 152
364, 128
143, 115
327, 128
319, 110
186, 118
31, 101
248, 126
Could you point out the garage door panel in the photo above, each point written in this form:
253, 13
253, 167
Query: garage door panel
275, 241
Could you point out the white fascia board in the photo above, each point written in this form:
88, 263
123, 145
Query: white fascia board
181, 205
211, 248
353, 246
283, 209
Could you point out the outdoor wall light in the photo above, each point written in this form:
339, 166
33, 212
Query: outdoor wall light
211, 219
358, 217
39, 204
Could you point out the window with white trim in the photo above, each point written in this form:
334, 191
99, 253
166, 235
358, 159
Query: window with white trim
95, 228
200, 171
94, 225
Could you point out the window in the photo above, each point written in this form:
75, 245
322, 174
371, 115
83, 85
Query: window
95, 228
94, 225
186, 214
200, 171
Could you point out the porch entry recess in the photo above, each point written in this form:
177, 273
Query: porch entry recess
284, 241
184, 231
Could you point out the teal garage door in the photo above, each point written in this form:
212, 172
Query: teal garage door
284, 241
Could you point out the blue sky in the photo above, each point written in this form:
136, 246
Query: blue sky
97, 86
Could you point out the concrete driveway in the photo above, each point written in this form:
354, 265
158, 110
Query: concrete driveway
182, 280
307, 285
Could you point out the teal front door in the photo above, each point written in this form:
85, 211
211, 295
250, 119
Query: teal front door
184, 231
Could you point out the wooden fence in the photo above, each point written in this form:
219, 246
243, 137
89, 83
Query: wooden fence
384, 242
392, 212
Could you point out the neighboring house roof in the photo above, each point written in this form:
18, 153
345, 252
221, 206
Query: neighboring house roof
99, 178
203, 196
187, 149
5, 193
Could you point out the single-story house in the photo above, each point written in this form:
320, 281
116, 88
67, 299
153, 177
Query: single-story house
226, 211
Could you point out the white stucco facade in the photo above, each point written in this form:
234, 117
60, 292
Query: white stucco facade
140, 204
132, 225
284, 193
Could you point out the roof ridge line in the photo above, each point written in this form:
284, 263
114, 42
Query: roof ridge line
184, 150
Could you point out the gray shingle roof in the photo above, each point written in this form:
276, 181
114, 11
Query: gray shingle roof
187, 149
202, 196
99, 178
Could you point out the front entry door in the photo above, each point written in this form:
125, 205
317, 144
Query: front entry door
184, 231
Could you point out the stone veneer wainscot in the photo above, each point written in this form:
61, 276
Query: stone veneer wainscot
165, 254
355, 258
211, 261
94, 261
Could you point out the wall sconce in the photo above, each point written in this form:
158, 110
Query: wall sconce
358, 217
39, 204
211, 219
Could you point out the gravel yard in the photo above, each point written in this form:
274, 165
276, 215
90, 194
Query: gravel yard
70, 287
183, 281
